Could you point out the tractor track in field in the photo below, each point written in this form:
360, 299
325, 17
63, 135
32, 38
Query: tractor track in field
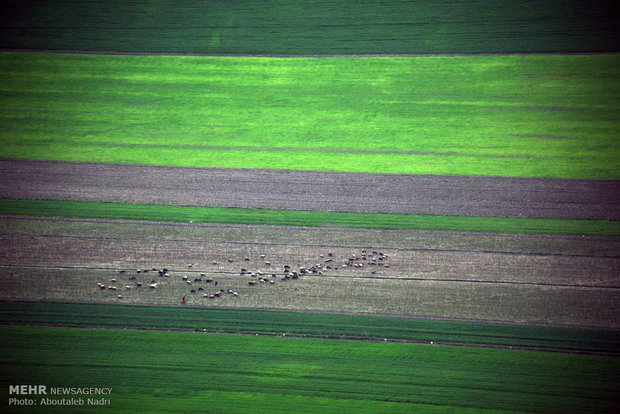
312, 191
325, 337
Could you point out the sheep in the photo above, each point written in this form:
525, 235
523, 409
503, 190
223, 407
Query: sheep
120, 296
230, 260
153, 285
127, 287
184, 277
138, 284
251, 283
235, 294
112, 280
214, 262
202, 275
193, 291
190, 265
209, 280
262, 256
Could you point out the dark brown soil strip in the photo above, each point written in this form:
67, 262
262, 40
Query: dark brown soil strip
312, 191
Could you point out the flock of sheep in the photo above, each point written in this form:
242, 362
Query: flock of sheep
327, 263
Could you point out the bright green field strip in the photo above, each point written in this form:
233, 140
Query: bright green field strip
185, 372
522, 116
311, 26
87, 209
312, 325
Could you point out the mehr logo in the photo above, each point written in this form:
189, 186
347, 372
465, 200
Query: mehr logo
27, 389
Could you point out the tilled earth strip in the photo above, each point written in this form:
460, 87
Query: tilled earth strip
312, 191
421, 274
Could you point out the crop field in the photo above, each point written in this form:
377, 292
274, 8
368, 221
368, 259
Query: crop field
235, 372
565, 280
304, 206
516, 115
312, 26
317, 325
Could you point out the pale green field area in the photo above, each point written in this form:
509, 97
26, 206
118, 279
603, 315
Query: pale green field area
518, 115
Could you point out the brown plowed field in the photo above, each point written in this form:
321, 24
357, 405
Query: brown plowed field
312, 191
555, 280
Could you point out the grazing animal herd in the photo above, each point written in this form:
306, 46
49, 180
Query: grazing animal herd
201, 284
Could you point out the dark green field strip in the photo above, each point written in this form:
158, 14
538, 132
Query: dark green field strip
313, 325
511, 116
191, 372
80, 209
311, 26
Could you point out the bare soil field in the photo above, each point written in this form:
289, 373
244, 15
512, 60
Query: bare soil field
312, 191
533, 279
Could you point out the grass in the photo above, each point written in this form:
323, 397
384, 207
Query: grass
83, 209
182, 371
309, 324
522, 116
312, 26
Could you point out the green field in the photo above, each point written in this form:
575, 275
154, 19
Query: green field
512, 89
312, 26
306, 324
522, 116
184, 371
83, 209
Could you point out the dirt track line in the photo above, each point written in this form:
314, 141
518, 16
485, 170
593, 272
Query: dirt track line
340, 277
323, 337
279, 55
